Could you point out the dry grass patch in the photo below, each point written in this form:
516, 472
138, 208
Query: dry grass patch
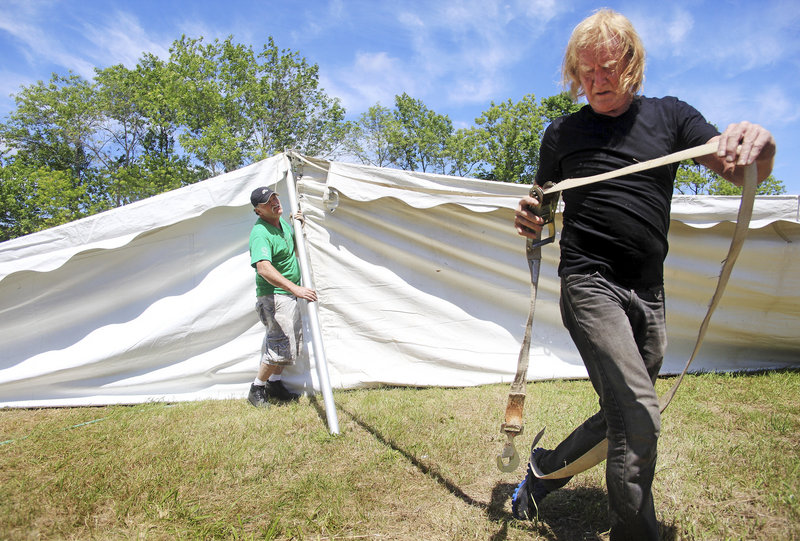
409, 464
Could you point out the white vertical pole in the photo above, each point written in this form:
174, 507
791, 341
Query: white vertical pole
311, 308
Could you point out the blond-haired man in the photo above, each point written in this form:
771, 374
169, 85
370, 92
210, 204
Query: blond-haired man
613, 245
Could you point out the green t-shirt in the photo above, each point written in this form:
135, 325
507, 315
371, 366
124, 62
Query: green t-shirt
269, 243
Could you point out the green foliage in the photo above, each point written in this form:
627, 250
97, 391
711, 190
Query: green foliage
770, 186
512, 133
153, 174
136, 142
371, 135
215, 82
418, 139
134, 133
559, 105
695, 179
240, 107
411, 136
53, 123
464, 149
297, 113
504, 144
34, 198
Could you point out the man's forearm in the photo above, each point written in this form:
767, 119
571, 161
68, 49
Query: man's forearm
271, 275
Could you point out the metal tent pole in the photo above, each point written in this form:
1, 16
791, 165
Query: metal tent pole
311, 308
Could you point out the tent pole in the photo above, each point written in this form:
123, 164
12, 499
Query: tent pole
311, 309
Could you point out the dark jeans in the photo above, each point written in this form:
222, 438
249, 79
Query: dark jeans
621, 336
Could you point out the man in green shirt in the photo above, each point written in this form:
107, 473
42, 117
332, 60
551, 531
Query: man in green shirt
272, 255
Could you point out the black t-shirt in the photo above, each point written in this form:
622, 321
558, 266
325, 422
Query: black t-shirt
619, 227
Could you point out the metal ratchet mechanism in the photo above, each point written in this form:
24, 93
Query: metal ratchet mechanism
508, 459
548, 204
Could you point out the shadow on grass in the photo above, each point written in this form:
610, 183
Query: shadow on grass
567, 515
428, 469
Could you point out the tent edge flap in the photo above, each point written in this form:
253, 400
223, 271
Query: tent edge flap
427, 190
50, 249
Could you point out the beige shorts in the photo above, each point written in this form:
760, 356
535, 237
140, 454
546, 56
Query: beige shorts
284, 330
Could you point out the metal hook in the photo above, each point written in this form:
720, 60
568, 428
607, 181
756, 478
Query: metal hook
509, 452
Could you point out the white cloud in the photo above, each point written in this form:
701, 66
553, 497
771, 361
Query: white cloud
316, 22
111, 39
121, 40
372, 78
755, 35
468, 47
665, 33
774, 107
446, 53
541, 10
680, 27
723, 104
38, 44
471, 90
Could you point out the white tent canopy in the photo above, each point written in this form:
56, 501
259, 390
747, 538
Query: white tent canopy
422, 281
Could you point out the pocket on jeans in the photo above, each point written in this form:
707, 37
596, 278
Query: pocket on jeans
574, 279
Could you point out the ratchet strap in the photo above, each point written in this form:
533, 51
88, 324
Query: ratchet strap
508, 460
513, 425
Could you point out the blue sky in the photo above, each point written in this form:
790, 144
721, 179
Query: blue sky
732, 59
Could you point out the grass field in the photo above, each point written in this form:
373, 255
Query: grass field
409, 464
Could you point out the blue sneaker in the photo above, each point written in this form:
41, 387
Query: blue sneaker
529, 493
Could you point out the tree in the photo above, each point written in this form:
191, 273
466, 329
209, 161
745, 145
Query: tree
512, 134
239, 107
559, 105
296, 112
371, 136
463, 151
695, 179
133, 133
418, 140
135, 142
51, 130
161, 166
503, 146
215, 84
121, 131
34, 198
770, 186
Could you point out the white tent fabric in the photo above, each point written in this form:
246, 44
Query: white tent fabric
421, 278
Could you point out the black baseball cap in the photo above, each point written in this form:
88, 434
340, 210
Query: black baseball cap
261, 195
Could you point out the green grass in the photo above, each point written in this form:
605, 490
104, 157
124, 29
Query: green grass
409, 464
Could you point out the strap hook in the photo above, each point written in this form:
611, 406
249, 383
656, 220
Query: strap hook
509, 452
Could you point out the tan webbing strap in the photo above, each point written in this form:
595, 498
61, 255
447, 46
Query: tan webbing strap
508, 460
739, 234
688, 154
598, 453
512, 427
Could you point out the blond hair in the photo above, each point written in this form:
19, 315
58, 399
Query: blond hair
605, 29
